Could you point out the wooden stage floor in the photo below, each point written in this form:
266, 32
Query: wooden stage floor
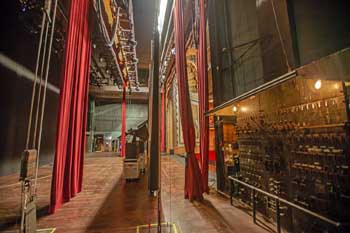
109, 204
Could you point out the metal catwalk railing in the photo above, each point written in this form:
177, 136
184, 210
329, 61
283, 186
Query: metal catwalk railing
278, 200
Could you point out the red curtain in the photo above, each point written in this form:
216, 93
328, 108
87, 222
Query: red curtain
70, 140
193, 180
123, 138
202, 71
162, 141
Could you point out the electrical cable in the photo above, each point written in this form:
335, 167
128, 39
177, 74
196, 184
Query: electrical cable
109, 41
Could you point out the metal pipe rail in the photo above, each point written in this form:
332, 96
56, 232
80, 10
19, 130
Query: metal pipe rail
278, 201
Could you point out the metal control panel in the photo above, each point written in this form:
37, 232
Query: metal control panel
294, 142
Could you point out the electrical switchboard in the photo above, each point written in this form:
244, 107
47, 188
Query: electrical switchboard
294, 142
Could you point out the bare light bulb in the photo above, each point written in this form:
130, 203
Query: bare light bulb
318, 84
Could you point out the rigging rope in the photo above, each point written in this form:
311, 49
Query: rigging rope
44, 94
40, 87
35, 80
280, 36
46, 21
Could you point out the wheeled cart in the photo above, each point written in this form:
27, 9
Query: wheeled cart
142, 163
131, 169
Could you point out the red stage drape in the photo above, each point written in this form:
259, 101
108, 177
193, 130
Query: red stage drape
193, 180
202, 71
123, 138
70, 140
162, 141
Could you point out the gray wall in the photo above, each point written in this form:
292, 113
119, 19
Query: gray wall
108, 117
247, 61
274, 57
221, 62
309, 30
322, 27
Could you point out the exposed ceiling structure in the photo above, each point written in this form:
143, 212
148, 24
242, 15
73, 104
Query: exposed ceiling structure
114, 60
121, 39
111, 94
122, 47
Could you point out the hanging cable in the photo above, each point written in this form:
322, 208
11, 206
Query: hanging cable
27, 193
109, 41
23, 197
280, 36
44, 94
40, 87
35, 80
104, 31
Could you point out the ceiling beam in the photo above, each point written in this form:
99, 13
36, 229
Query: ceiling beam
113, 92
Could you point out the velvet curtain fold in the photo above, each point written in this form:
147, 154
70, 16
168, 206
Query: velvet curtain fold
202, 71
193, 179
72, 115
123, 135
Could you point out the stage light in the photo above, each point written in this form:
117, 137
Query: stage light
318, 84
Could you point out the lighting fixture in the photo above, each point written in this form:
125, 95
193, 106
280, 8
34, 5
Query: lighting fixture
244, 109
234, 109
318, 84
